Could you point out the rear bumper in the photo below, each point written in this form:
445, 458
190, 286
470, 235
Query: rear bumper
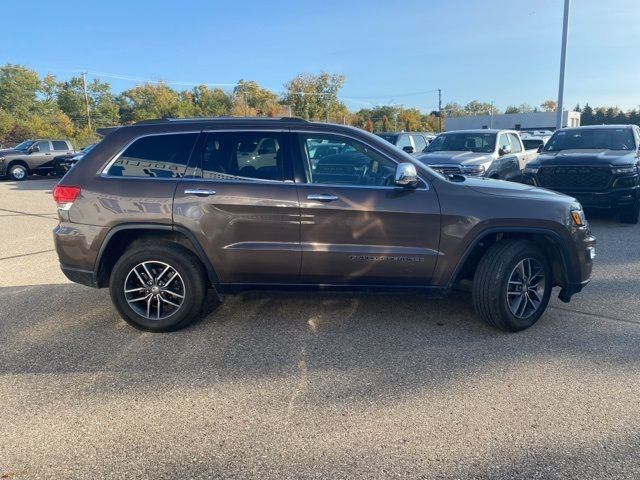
83, 277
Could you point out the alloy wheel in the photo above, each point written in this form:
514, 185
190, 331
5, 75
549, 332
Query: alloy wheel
154, 290
526, 288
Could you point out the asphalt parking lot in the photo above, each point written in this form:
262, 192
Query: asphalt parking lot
312, 385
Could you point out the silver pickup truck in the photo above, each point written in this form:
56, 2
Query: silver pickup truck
482, 153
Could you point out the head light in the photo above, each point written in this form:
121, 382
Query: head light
473, 169
624, 170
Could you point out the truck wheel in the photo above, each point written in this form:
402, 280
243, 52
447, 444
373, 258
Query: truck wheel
512, 285
17, 172
158, 287
630, 214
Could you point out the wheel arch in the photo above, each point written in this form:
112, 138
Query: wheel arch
119, 238
18, 161
550, 242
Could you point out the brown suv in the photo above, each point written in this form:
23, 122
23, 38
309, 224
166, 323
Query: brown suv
162, 210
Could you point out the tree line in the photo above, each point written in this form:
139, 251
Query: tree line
31, 106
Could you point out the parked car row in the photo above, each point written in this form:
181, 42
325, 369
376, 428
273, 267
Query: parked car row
597, 165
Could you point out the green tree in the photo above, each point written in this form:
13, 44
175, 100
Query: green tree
19, 88
253, 98
103, 107
314, 96
587, 117
149, 101
549, 106
210, 102
453, 109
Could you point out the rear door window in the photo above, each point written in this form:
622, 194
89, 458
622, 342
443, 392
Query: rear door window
419, 142
44, 146
60, 145
155, 156
515, 143
245, 156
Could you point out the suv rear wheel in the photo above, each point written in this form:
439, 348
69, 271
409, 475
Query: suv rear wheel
512, 285
158, 287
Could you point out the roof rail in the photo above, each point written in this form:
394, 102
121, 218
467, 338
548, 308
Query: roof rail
200, 119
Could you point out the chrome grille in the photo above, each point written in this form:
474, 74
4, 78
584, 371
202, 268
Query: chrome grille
447, 169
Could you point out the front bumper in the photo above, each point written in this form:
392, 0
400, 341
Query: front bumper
606, 199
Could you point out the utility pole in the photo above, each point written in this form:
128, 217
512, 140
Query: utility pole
491, 115
563, 59
440, 110
86, 98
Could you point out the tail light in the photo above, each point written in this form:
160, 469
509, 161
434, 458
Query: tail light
65, 195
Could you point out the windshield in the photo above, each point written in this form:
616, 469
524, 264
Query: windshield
591, 139
24, 145
463, 142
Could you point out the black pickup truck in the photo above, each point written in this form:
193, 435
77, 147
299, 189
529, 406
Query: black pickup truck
597, 165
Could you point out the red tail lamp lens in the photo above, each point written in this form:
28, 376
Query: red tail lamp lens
65, 193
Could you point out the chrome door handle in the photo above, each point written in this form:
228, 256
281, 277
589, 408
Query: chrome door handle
203, 192
322, 197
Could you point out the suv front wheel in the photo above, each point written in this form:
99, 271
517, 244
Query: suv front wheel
512, 285
158, 287
17, 172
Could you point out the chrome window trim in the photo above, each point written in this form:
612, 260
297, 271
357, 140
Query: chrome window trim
103, 173
315, 132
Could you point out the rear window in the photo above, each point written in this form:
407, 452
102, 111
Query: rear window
159, 156
60, 145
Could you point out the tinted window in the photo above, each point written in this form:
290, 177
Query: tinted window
515, 143
531, 144
44, 146
420, 142
591, 138
353, 163
60, 145
162, 156
464, 142
243, 156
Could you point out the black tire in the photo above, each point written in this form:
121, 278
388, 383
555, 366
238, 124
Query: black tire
17, 172
630, 214
191, 276
491, 283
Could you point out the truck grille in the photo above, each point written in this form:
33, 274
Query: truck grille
574, 177
447, 169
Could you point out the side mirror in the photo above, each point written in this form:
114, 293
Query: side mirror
406, 175
540, 147
34, 148
505, 150
408, 149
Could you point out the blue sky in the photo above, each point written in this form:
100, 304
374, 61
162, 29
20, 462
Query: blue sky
397, 52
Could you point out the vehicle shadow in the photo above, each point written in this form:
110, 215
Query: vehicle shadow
369, 344
34, 183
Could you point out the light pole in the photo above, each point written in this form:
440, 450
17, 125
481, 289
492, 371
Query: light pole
563, 59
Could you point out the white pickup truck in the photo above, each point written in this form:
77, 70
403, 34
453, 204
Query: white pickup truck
482, 153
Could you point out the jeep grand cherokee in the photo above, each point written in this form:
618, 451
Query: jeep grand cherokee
162, 210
